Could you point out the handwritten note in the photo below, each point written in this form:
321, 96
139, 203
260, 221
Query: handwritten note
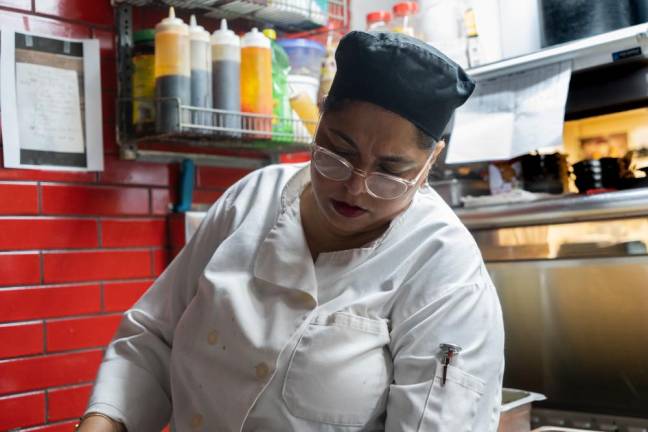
511, 115
49, 111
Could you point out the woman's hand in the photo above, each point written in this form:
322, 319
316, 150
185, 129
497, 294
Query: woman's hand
95, 423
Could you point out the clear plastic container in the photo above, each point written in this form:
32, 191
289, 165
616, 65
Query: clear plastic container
404, 14
256, 80
305, 56
172, 71
378, 20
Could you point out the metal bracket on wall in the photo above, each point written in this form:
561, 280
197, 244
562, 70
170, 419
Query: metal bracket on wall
124, 30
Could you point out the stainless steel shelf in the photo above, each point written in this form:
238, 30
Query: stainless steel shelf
562, 209
630, 42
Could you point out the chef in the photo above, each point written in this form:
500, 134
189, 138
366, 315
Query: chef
340, 295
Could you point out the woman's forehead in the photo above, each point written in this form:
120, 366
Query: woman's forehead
370, 127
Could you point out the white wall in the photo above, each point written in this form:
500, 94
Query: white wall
506, 27
360, 9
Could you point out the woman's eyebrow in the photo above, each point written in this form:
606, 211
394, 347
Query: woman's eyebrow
384, 159
346, 138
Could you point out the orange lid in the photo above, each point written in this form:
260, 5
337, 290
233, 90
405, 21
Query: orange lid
381, 15
405, 8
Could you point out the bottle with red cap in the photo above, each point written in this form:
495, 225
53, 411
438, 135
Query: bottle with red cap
378, 20
404, 15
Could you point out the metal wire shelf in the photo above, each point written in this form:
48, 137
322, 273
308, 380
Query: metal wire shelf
211, 129
289, 15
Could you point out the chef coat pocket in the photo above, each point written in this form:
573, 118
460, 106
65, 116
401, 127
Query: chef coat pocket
340, 370
452, 406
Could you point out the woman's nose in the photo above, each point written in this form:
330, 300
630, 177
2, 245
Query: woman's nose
355, 184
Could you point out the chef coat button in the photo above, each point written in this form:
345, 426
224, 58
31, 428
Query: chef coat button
262, 371
212, 337
196, 421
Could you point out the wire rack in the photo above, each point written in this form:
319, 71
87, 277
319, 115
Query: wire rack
290, 15
217, 128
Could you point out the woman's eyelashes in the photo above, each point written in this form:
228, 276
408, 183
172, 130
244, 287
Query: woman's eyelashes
345, 153
352, 156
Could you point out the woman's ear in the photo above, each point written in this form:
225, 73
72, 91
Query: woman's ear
438, 148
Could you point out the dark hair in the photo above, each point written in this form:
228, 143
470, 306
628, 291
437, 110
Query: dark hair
331, 104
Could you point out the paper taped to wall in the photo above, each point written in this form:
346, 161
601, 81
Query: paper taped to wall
511, 115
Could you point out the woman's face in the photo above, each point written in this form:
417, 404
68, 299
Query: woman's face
371, 139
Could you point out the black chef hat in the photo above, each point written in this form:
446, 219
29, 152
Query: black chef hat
401, 74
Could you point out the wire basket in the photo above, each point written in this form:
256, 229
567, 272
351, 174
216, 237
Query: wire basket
215, 126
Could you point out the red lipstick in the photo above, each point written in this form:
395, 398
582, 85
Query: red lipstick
347, 210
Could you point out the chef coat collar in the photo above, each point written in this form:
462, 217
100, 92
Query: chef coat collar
284, 258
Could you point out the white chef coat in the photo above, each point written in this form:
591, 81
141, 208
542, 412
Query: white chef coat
244, 332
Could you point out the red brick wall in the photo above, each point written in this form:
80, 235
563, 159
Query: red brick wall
76, 249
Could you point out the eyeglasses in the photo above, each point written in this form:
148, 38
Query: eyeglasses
378, 185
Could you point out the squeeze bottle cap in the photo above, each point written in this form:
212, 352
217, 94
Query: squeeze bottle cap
270, 33
171, 23
405, 8
197, 32
254, 38
224, 36
381, 15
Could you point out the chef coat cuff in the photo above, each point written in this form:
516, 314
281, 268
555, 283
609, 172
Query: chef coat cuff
107, 409
136, 401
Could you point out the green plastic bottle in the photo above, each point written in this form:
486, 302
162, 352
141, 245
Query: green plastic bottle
282, 123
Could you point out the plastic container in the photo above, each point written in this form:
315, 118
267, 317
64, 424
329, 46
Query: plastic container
256, 81
404, 13
282, 125
201, 71
144, 82
303, 94
378, 20
172, 72
305, 56
303, 84
226, 78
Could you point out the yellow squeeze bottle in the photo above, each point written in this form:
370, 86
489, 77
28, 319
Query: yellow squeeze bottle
256, 81
172, 71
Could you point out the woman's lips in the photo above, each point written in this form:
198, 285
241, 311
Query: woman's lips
347, 210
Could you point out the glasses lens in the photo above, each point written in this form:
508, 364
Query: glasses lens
385, 187
330, 166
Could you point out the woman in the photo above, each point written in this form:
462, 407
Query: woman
342, 295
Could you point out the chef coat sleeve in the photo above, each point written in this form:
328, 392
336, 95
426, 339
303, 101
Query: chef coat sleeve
468, 315
133, 384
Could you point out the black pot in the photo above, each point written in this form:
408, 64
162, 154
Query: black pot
567, 20
604, 173
545, 173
